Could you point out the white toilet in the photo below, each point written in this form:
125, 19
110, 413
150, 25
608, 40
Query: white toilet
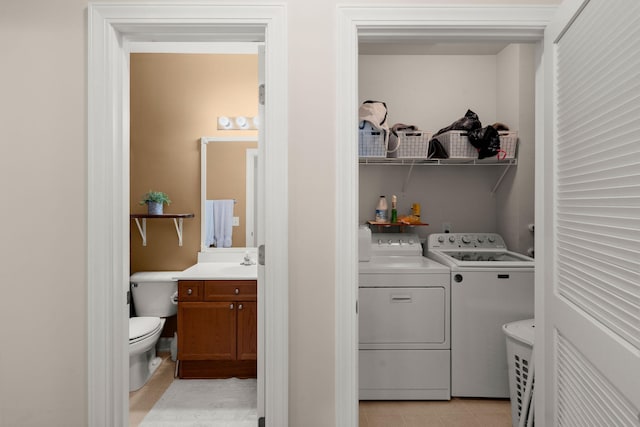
154, 296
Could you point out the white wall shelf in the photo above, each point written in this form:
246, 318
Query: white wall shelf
177, 221
435, 162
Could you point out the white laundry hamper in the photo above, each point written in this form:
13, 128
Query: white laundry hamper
520, 337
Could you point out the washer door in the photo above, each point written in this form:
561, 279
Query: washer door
402, 318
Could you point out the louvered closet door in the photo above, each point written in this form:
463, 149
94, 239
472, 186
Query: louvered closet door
592, 261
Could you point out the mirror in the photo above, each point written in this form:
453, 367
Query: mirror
228, 192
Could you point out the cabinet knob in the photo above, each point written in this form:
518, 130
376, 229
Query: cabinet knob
189, 291
239, 306
237, 291
231, 306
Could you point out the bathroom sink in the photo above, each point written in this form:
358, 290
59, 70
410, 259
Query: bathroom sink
220, 271
231, 269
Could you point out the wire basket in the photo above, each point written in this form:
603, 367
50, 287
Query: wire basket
520, 337
371, 143
509, 143
458, 146
413, 144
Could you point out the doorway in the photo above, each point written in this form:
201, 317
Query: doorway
405, 25
175, 97
112, 28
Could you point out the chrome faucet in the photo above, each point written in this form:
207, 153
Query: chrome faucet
247, 260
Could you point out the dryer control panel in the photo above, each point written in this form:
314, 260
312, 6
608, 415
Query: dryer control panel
395, 244
465, 241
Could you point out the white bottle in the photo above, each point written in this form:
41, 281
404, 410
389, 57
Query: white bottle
381, 210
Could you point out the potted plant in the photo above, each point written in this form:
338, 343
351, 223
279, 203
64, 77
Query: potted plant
155, 200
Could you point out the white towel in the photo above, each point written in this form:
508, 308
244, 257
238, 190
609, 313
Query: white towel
208, 217
222, 223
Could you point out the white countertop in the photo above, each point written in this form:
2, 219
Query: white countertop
219, 271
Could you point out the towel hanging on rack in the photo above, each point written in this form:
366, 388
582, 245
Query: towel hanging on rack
219, 223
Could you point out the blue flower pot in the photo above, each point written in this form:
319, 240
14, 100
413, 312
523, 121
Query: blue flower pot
155, 208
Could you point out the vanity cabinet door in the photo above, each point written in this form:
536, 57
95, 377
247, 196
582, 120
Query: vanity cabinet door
207, 330
247, 330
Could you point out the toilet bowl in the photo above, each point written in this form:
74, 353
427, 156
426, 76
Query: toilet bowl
144, 333
153, 294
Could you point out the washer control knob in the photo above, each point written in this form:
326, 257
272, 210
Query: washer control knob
480, 239
491, 239
441, 239
389, 241
457, 278
452, 239
466, 239
401, 242
379, 241
411, 241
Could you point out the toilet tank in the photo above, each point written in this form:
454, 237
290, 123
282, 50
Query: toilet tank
153, 291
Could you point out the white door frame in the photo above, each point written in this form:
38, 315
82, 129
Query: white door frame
110, 28
444, 23
251, 187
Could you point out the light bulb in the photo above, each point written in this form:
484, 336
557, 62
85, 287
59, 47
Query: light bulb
242, 123
224, 122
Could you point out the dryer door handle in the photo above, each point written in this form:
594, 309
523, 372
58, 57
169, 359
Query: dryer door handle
401, 298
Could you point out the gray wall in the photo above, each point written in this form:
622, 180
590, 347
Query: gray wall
515, 198
431, 91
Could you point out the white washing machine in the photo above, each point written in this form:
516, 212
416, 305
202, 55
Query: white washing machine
403, 312
490, 286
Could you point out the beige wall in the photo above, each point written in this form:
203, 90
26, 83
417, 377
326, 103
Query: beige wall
43, 171
176, 99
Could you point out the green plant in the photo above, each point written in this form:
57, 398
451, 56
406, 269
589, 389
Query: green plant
155, 196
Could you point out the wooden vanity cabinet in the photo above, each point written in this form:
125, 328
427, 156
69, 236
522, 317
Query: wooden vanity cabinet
217, 328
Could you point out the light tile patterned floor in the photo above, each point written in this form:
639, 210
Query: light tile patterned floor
455, 413
141, 401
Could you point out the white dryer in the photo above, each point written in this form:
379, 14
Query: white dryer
403, 311
490, 286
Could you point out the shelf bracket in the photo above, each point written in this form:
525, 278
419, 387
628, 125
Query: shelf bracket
504, 173
406, 181
143, 230
178, 223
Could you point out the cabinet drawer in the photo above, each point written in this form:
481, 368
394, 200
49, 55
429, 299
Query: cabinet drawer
190, 290
230, 290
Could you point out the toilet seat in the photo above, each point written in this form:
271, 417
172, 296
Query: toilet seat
142, 327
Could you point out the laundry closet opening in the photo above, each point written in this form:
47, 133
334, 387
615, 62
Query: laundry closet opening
430, 85
426, 85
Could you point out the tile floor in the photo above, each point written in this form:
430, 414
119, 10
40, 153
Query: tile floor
455, 413
141, 401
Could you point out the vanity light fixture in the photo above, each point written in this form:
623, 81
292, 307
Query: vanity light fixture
238, 123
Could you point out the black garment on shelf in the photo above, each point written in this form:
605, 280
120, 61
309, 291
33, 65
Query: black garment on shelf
486, 140
470, 121
436, 150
